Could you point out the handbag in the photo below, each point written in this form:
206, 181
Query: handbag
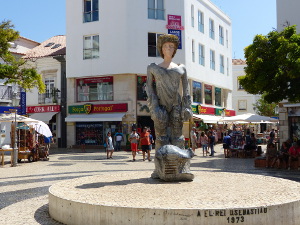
104, 145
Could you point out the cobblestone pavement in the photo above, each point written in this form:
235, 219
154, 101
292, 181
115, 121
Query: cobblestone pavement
24, 189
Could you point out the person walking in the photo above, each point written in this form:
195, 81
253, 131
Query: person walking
109, 146
193, 137
134, 140
145, 143
211, 140
118, 139
204, 141
226, 145
82, 141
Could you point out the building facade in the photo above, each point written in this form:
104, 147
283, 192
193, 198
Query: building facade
109, 49
289, 114
242, 100
49, 60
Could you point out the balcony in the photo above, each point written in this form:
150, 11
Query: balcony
6, 94
50, 98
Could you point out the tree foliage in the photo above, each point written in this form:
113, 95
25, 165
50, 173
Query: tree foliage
263, 108
273, 66
16, 70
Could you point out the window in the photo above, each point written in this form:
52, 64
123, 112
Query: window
221, 35
192, 16
212, 59
152, 40
240, 87
227, 69
218, 96
221, 64
200, 21
201, 55
91, 11
95, 89
211, 29
91, 47
156, 9
197, 92
141, 88
227, 38
193, 51
242, 104
50, 85
208, 94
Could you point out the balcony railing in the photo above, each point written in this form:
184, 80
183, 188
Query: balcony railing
49, 98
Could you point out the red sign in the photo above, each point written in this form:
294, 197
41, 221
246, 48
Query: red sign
206, 110
93, 80
174, 23
229, 112
101, 108
43, 109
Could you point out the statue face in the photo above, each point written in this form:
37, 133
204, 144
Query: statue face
168, 49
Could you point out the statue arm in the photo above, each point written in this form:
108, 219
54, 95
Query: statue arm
186, 98
152, 97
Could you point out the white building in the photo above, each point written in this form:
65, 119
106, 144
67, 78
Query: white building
242, 100
110, 44
49, 60
289, 114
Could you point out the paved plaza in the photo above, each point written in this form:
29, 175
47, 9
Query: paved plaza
24, 189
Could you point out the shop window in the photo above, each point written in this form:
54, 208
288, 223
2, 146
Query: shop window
90, 11
218, 96
95, 89
197, 92
92, 131
208, 94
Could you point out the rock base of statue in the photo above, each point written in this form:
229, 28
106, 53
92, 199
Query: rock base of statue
173, 164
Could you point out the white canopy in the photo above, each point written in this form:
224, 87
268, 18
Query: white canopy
250, 118
39, 126
208, 118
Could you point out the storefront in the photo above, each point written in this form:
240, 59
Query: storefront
94, 121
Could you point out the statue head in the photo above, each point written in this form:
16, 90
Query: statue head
162, 39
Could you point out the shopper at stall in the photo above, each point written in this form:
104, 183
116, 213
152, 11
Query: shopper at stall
226, 145
294, 153
109, 146
271, 155
145, 143
134, 140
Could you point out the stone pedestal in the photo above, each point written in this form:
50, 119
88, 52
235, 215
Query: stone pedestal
213, 198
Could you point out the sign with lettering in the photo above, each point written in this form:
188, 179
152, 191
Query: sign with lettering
174, 22
229, 112
178, 34
97, 108
206, 110
195, 109
22, 103
43, 109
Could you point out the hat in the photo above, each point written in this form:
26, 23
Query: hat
133, 129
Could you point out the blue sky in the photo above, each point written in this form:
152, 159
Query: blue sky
41, 19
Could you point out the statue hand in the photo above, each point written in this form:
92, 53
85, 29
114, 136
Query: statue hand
186, 114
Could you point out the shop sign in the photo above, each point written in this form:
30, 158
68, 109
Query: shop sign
178, 34
99, 108
206, 110
22, 103
229, 112
195, 109
43, 109
219, 112
174, 22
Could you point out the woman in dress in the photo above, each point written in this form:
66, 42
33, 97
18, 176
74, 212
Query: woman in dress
204, 141
109, 146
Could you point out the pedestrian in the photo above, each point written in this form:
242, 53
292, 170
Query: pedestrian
193, 137
272, 136
134, 140
211, 140
226, 145
294, 153
204, 142
118, 139
47, 141
151, 140
82, 141
145, 143
109, 146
